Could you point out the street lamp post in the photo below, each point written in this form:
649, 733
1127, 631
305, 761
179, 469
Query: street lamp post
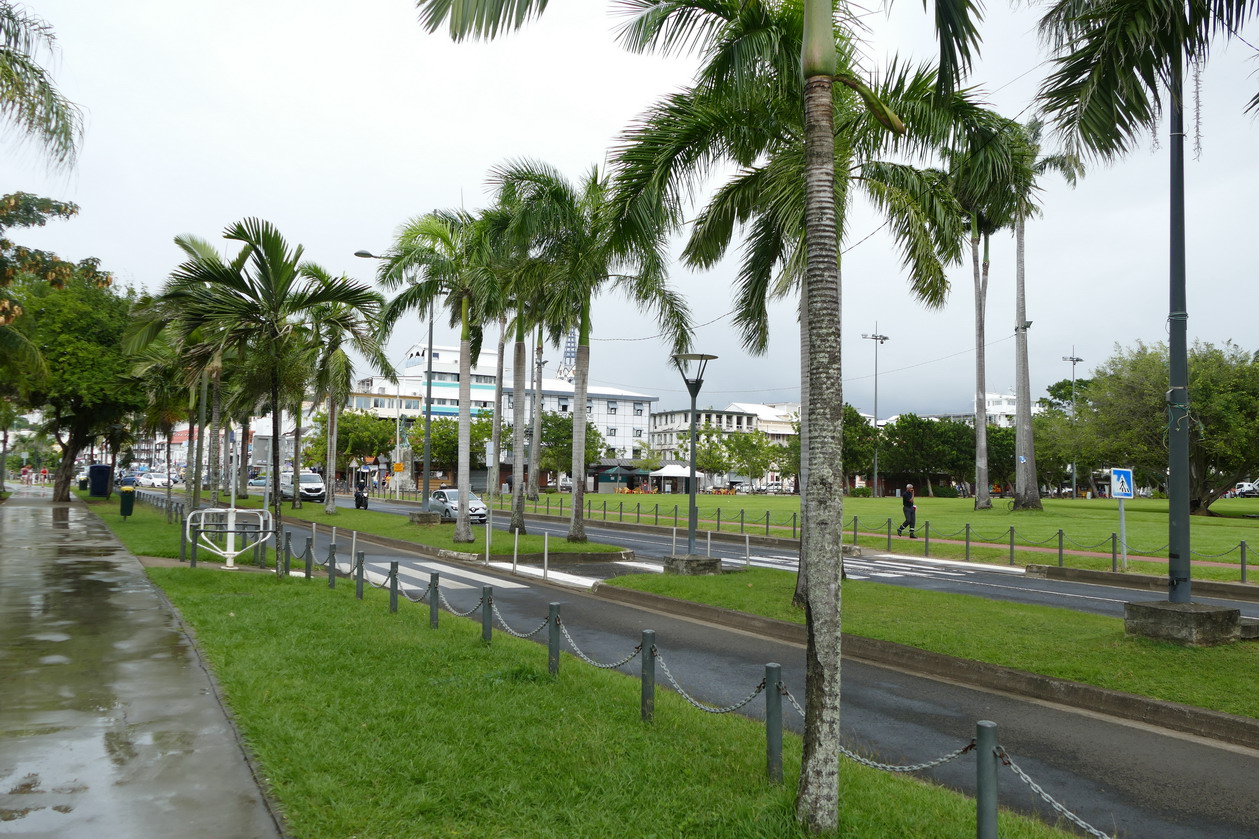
428, 394
877, 339
691, 366
1074, 359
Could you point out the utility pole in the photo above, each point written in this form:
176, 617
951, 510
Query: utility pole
1074, 359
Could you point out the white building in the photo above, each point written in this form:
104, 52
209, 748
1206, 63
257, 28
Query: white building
622, 416
1001, 407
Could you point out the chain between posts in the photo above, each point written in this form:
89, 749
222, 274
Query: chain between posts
708, 709
510, 631
633, 654
1027, 541
1213, 556
1004, 757
888, 767
451, 609
1088, 547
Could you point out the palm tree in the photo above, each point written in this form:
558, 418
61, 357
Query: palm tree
440, 255
255, 302
335, 326
29, 101
1026, 482
570, 232
817, 803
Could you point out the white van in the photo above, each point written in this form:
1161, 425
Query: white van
310, 485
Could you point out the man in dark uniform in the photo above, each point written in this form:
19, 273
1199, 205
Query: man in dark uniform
911, 511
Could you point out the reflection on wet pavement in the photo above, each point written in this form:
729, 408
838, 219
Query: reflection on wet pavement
108, 725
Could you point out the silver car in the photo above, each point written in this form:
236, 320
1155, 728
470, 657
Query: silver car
446, 502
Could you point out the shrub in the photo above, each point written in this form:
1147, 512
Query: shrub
943, 492
859, 492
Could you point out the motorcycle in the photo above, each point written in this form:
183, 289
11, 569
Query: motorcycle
360, 496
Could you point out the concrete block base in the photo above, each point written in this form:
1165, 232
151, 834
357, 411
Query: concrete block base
426, 518
690, 565
1189, 624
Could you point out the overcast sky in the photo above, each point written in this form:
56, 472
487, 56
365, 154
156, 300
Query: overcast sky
338, 121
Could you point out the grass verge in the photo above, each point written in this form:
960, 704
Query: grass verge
385, 728
1038, 639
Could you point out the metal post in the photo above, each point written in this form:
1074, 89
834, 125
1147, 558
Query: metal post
793, 525
854, 530
889, 535
620, 511
434, 599
183, 542
1178, 422
1060, 547
774, 723
657, 515
515, 548
1243, 551
1011, 544
674, 549
553, 639
767, 522
968, 541
710, 543
546, 557
309, 556
358, 574
747, 550
393, 587
288, 552
487, 613
332, 565
192, 553
638, 512
986, 780
1114, 552
740, 519
648, 652
718, 519
926, 538
878, 339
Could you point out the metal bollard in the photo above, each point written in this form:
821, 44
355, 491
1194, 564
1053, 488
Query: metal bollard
648, 653
986, 780
358, 574
718, 519
309, 556
1059, 547
620, 511
968, 541
434, 600
487, 613
553, 640
183, 543
740, 519
889, 535
854, 530
393, 587
288, 552
1243, 550
793, 525
774, 723
767, 522
710, 543
1011, 544
192, 551
332, 565
1114, 552
926, 538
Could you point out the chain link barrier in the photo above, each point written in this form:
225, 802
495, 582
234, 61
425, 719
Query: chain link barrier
633, 654
451, 609
886, 767
708, 709
1213, 556
1082, 547
1027, 541
514, 633
422, 598
952, 535
1004, 757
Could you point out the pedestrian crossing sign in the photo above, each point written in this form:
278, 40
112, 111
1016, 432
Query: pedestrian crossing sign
1121, 483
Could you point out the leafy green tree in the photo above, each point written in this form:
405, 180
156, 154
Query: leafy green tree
444, 441
956, 442
912, 445
1002, 466
78, 330
556, 451
859, 437
29, 101
712, 455
751, 453
360, 435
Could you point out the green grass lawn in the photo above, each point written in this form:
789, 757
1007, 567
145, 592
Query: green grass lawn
385, 728
1039, 639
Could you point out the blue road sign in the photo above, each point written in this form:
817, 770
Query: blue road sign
1121, 483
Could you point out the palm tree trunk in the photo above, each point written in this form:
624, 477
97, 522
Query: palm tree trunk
242, 463
817, 800
330, 464
800, 597
518, 432
983, 497
463, 523
170, 486
1026, 481
275, 453
297, 456
202, 398
581, 383
493, 471
535, 451
216, 435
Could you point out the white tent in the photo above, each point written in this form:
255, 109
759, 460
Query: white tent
673, 470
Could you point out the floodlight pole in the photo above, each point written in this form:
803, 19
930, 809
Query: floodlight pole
1178, 551
1074, 359
878, 339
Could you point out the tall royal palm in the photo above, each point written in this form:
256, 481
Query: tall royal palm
255, 301
440, 256
29, 101
1026, 482
569, 230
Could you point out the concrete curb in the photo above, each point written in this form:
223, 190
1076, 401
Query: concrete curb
460, 556
1150, 582
1214, 725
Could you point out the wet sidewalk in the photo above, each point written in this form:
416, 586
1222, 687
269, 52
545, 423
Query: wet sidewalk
109, 726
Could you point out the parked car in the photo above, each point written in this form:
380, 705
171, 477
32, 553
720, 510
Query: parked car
127, 480
446, 502
260, 481
156, 479
1245, 489
311, 486
565, 484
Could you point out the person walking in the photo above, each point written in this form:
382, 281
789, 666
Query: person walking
911, 512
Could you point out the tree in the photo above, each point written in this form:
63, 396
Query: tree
29, 101
445, 441
859, 437
712, 455
78, 330
255, 302
752, 453
442, 255
912, 445
1026, 483
359, 436
569, 231
556, 451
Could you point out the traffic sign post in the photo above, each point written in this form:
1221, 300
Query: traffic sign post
1121, 488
